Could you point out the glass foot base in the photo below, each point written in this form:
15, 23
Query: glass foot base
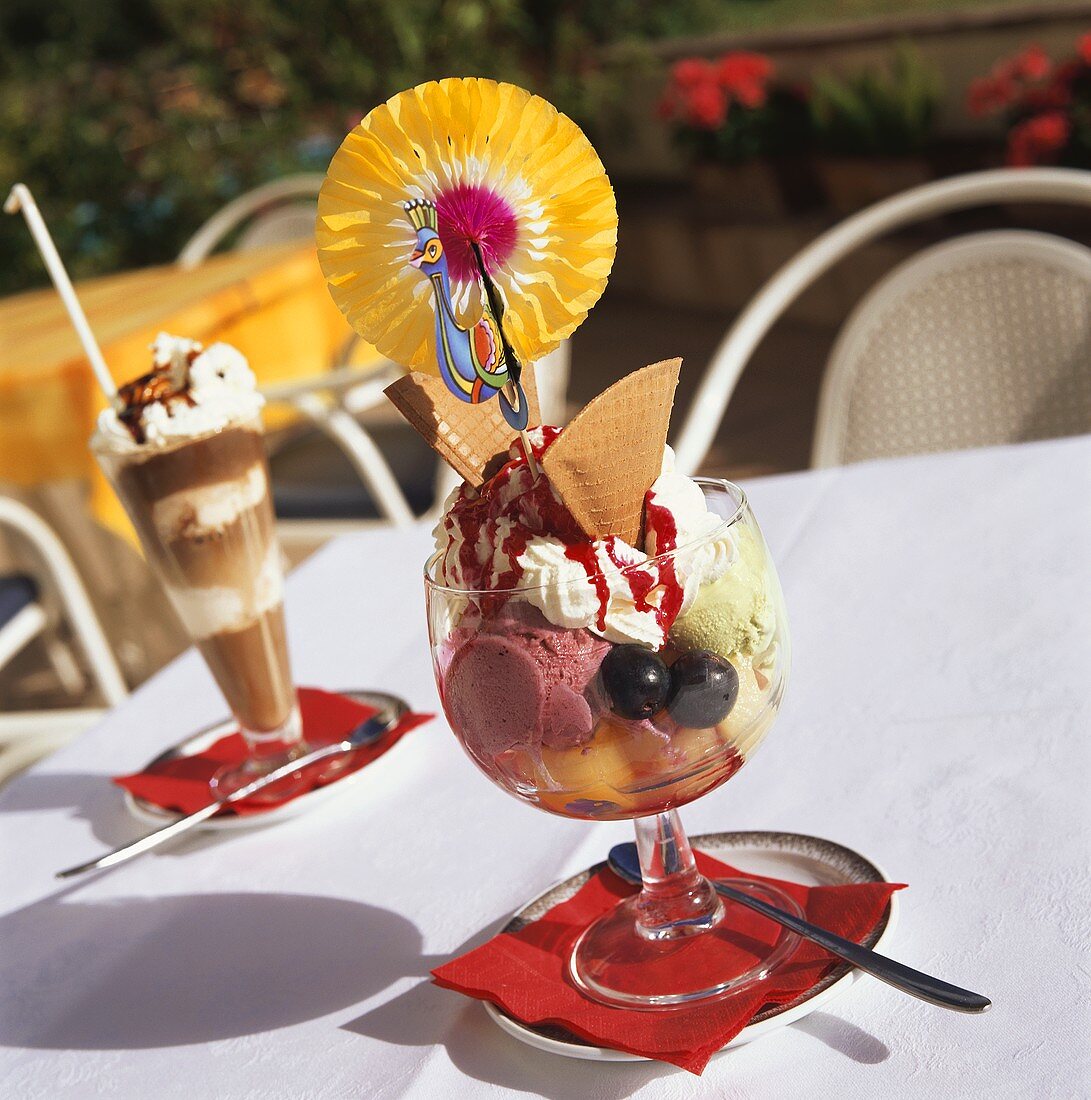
614, 963
233, 777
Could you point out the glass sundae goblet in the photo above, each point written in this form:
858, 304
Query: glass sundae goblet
204, 515
576, 725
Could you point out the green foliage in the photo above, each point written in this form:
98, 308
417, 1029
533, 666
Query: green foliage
134, 120
881, 111
1078, 153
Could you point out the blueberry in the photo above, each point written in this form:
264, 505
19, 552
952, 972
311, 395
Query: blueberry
636, 681
703, 689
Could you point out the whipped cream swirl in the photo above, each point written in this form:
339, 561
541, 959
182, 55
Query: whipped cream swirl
515, 533
198, 391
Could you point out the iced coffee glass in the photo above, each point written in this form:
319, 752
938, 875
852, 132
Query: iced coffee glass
202, 509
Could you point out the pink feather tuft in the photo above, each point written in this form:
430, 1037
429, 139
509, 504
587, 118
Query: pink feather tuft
471, 213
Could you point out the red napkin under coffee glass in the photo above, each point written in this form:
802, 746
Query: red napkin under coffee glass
526, 972
181, 784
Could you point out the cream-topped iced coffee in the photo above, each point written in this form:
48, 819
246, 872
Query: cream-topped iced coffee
184, 452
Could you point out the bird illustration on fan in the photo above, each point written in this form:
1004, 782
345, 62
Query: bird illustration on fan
476, 363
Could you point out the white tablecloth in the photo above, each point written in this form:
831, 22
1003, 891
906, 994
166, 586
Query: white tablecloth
937, 722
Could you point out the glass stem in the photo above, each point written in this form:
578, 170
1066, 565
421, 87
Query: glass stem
677, 900
273, 744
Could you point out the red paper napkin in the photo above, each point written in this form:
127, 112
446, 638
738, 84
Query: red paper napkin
525, 972
182, 784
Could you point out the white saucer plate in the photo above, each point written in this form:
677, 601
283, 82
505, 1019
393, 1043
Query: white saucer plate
155, 815
796, 857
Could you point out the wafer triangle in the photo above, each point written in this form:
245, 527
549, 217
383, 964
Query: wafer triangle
468, 437
605, 461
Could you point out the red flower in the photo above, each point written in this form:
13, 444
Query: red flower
1050, 97
1010, 84
692, 72
1032, 64
701, 92
1039, 139
706, 106
989, 94
745, 76
694, 95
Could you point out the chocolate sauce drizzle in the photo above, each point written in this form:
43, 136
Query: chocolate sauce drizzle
158, 385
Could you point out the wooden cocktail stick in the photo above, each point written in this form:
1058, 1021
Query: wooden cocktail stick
515, 368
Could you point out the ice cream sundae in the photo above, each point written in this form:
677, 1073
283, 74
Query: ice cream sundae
593, 674
607, 634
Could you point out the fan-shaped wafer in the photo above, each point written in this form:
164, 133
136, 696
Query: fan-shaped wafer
468, 437
607, 458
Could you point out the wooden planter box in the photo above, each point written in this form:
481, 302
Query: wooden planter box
739, 192
851, 183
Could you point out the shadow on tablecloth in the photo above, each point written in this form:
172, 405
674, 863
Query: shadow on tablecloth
92, 798
426, 1015
134, 973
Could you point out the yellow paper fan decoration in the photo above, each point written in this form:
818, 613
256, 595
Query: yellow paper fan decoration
505, 170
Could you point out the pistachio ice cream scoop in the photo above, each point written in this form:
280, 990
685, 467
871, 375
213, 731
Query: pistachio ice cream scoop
731, 616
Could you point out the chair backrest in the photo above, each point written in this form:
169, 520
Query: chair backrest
16, 516
283, 211
1005, 185
277, 212
984, 339
291, 222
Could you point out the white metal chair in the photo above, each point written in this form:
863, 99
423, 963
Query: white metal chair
277, 213
26, 612
841, 435
985, 339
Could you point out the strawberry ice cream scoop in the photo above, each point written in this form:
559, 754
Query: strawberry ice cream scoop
520, 680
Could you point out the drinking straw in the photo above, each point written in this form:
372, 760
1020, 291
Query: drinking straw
21, 199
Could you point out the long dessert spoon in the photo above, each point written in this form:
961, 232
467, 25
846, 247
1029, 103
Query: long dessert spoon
364, 734
625, 863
